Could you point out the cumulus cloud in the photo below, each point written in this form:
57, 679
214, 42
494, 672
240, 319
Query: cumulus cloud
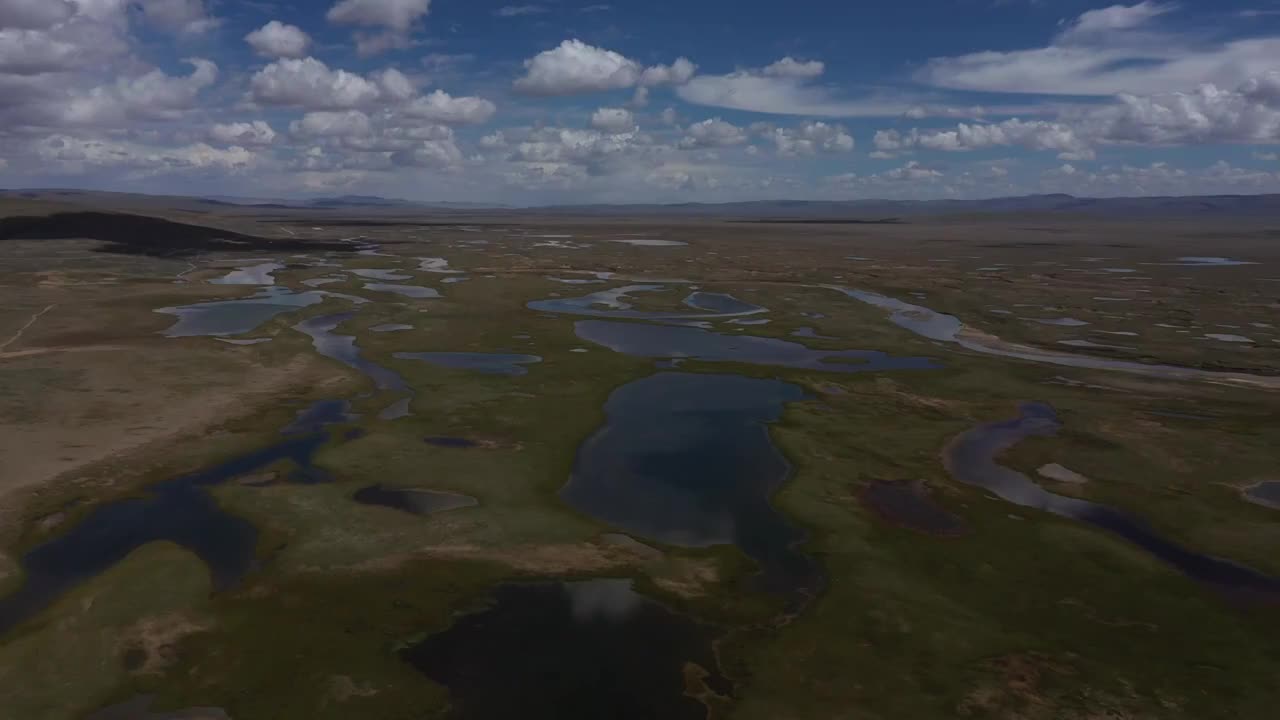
34, 14
1248, 114
786, 88
494, 141
613, 120
398, 15
275, 39
57, 37
712, 132
810, 138
309, 83
791, 68
576, 67
332, 124
182, 16
441, 107
1035, 135
1109, 51
677, 73
256, 132
66, 154
151, 96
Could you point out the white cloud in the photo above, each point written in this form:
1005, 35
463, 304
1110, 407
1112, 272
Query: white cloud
309, 83
256, 132
1117, 17
1107, 52
332, 124
791, 68
1034, 135
398, 15
182, 16
72, 155
34, 14
494, 141
1249, 114
394, 85
150, 96
441, 107
613, 120
810, 138
785, 88
1266, 156
677, 73
437, 154
508, 11
713, 132
912, 171
576, 67
275, 39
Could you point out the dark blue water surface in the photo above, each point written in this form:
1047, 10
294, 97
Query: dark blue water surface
687, 460
571, 651
177, 510
673, 341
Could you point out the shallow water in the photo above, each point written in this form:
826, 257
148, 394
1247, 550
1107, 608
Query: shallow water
808, 332
1061, 322
1197, 261
380, 274
672, 341
390, 327
687, 460
343, 348
1264, 493
178, 510
971, 459
1226, 337
647, 242
235, 317
413, 500
489, 363
252, 275
410, 291
574, 650
946, 328
613, 303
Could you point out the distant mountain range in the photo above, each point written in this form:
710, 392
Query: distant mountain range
1253, 206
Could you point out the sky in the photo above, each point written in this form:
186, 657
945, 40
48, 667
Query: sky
529, 102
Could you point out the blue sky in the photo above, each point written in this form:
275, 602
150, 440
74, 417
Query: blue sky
660, 101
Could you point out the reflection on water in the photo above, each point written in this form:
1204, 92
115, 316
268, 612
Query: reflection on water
490, 363
178, 510
252, 275
613, 303
687, 459
671, 341
971, 459
577, 650
235, 317
410, 291
380, 274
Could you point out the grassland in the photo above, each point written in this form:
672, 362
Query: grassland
1023, 616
